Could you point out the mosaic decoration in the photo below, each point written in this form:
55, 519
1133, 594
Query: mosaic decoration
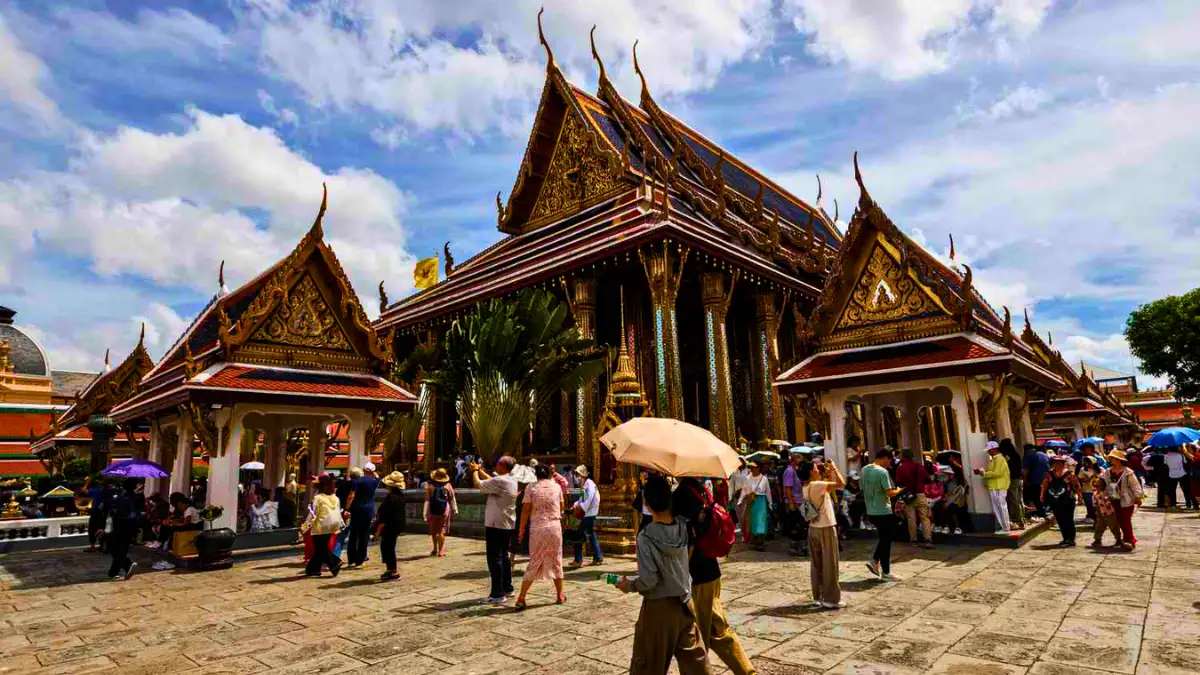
304, 319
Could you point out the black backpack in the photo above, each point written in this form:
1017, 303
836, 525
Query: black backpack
438, 500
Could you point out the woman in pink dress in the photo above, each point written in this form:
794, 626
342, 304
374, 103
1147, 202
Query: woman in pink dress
541, 521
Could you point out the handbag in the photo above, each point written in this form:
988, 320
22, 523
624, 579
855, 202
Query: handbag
811, 511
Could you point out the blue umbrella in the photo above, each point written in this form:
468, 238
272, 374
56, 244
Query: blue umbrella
1056, 444
1094, 440
1173, 436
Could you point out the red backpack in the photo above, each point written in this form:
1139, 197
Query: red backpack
717, 540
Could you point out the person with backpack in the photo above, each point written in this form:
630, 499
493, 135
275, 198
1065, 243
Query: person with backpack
440, 507
324, 523
1061, 492
711, 535
586, 509
793, 495
125, 515
822, 534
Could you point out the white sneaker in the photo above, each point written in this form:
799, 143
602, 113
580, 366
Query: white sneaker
834, 605
891, 577
129, 572
816, 603
874, 568
494, 601
1001, 532
162, 565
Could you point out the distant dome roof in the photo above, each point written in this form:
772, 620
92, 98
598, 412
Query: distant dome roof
26, 355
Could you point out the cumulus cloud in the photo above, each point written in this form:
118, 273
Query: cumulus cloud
1021, 100
904, 39
174, 30
21, 77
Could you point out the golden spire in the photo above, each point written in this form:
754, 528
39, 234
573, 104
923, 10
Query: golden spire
625, 384
596, 54
542, 39
142, 337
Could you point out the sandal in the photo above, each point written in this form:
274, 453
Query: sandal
389, 576
562, 600
520, 606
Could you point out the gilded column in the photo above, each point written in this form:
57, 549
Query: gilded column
664, 268
716, 299
582, 297
432, 414
770, 408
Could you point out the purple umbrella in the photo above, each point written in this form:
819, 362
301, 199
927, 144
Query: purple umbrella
136, 468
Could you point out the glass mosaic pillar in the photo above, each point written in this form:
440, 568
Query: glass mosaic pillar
664, 267
716, 290
432, 413
769, 404
583, 307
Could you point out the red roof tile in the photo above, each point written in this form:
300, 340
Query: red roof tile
310, 382
929, 353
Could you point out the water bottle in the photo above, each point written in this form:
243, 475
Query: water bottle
610, 578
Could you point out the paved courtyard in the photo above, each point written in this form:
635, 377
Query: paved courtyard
967, 610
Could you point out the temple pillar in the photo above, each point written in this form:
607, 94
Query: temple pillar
582, 294
716, 296
872, 425
768, 404
974, 456
432, 416
1028, 437
181, 470
274, 440
155, 454
835, 440
910, 436
359, 454
1004, 427
223, 467
663, 271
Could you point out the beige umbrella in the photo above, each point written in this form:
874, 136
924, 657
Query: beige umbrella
671, 447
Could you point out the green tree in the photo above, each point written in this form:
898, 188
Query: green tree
77, 468
1165, 336
505, 361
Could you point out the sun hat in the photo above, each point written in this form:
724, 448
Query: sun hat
1117, 455
439, 476
394, 479
581, 471
369, 466
992, 445
355, 472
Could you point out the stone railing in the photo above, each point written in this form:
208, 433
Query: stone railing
43, 528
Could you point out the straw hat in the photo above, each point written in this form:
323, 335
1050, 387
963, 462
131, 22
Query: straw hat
439, 476
1117, 455
581, 471
394, 479
355, 472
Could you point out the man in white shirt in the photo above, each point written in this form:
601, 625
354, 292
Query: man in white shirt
590, 504
499, 519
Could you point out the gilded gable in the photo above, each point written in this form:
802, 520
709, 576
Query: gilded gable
578, 174
303, 319
885, 292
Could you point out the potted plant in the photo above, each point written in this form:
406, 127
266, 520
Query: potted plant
214, 547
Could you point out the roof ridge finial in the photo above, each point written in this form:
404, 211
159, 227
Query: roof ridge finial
858, 179
637, 68
1028, 326
107, 363
835, 212
542, 38
596, 54
142, 337
820, 192
952, 247
222, 289
318, 231
383, 298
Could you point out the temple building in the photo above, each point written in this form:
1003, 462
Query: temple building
281, 359
31, 395
665, 246
1082, 408
1156, 408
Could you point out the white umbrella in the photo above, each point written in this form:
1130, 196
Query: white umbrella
523, 474
671, 447
255, 466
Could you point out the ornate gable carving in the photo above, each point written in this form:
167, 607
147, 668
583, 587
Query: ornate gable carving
578, 174
303, 319
885, 292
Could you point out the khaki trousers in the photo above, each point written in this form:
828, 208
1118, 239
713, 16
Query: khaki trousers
919, 510
666, 629
715, 632
823, 564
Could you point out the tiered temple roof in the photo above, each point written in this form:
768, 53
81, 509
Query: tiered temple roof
295, 334
891, 312
1079, 397
602, 176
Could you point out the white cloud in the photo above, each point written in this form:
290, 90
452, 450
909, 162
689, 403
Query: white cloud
903, 39
169, 207
21, 78
397, 58
1021, 100
176, 31
286, 116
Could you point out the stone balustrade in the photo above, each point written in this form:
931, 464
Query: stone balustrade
53, 532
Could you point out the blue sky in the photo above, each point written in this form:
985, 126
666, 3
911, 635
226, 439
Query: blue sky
143, 143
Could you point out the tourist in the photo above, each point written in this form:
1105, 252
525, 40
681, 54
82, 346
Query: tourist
793, 495
183, 516
1156, 467
641, 511
389, 524
737, 506
1136, 462
1089, 469
97, 513
1176, 476
856, 506
541, 523
691, 504
589, 506
324, 523
757, 494
264, 513
912, 477
293, 488
285, 507
1126, 494
996, 479
1035, 464
1016, 483
440, 507
666, 625
878, 490
360, 506
560, 479
824, 478
1061, 492
854, 456
950, 512
1106, 513
499, 521
124, 514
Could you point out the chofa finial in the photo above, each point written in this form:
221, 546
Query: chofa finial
596, 54
542, 39
835, 211
317, 230
637, 68
142, 337
820, 192
383, 298
222, 289
107, 363
858, 179
951, 247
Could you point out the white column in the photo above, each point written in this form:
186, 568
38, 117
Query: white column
909, 436
155, 455
1027, 431
275, 438
223, 469
1079, 432
872, 424
357, 435
1003, 419
835, 443
974, 454
181, 472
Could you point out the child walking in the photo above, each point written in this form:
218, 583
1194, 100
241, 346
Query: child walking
666, 626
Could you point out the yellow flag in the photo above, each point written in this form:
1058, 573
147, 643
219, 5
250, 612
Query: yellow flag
426, 273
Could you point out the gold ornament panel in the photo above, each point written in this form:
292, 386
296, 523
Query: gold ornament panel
304, 319
885, 292
577, 174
